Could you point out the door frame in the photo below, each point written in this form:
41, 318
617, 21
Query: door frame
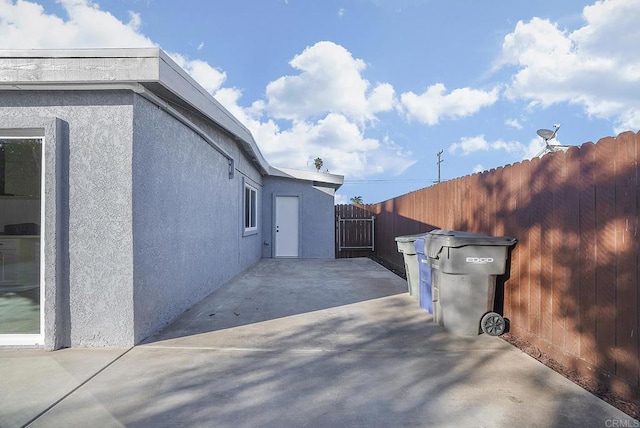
273, 226
54, 230
31, 339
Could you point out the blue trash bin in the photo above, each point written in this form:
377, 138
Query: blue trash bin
426, 302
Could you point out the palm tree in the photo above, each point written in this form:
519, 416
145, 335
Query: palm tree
318, 163
357, 200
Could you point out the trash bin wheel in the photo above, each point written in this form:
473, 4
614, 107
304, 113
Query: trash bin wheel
492, 324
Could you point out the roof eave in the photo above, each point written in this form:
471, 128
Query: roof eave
111, 68
328, 180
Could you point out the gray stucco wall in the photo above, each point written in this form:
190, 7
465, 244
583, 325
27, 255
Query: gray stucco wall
249, 247
316, 222
100, 268
146, 220
187, 214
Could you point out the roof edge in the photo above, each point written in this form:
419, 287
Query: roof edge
158, 69
149, 52
333, 180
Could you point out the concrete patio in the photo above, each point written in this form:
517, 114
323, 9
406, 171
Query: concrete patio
298, 343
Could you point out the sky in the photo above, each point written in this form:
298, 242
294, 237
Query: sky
376, 88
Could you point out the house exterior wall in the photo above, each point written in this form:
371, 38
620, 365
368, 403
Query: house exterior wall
142, 218
187, 215
249, 246
316, 222
99, 226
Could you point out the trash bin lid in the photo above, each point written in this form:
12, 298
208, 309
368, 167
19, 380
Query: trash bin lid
410, 238
437, 239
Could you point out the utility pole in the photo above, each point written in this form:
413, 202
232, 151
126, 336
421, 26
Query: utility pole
439, 162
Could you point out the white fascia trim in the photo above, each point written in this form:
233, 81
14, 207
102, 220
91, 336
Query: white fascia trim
148, 52
66, 86
334, 180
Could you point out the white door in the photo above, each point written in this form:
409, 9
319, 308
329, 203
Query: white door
286, 226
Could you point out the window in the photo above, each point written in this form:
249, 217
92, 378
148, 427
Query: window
250, 208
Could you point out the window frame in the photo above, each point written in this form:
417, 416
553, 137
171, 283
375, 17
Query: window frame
250, 210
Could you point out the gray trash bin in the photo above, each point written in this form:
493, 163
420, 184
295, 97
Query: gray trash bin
406, 245
464, 267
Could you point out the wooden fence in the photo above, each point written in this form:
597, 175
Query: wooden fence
355, 236
572, 288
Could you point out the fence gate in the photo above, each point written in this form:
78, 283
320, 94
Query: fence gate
355, 231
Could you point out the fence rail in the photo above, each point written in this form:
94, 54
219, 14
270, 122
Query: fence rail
572, 288
361, 229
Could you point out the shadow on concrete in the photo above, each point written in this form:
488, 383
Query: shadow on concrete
280, 288
365, 356
331, 343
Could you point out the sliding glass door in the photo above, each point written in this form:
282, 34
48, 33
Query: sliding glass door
21, 175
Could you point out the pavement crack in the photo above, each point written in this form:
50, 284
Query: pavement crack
65, 396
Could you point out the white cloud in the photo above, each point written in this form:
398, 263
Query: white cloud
592, 66
340, 143
26, 25
329, 101
341, 199
341, 12
328, 104
628, 120
208, 77
434, 104
330, 80
478, 168
469, 145
514, 123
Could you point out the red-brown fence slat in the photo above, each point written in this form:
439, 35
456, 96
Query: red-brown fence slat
557, 231
587, 253
571, 250
605, 251
626, 302
544, 187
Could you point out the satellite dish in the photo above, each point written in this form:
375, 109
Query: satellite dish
548, 134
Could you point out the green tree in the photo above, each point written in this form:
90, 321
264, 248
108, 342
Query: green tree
318, 163
357, 200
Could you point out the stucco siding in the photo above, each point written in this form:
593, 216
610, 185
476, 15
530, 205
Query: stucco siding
154, 222
99, 215
187, 216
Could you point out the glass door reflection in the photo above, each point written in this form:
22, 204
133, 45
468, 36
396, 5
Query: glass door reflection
20, 208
